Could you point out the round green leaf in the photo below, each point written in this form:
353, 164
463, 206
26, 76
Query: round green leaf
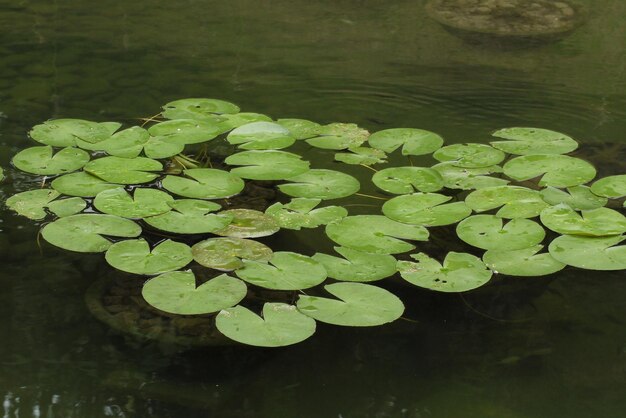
83, 233
469, 178
470, 155
404, 180
141, 204
197, 108
525, 262
177, 293
226, 254
489, 233
281, 325
32, 203
67, 207
361, 156
358, 305
231, 121
127, 143
267, 165
590, 253
300, 128
513, 201
321, 184
577, 197
528, 141
300, 213
460, 272
594, 222
357, 266
159, 147
248, 223
204, 183
339, 136
612, 186
42, 161
189, 216
81, 184
555, 170
261, 136
66, 132
426, 209
185, 131
124, 170
285, 271
413, 141
134, 256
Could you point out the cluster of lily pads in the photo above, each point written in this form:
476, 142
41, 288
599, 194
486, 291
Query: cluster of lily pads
112, 190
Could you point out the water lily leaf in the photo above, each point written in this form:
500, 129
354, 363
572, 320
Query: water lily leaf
321, 184
361, 156
339, 136
427, 209
134, 256
200, 108
124, 170
261, 136
204, 183
267, 165
460, 272
300, 128
577, 197
281, 325
358, 305
469, 178
226, 254
42, 161
413, 141
189, 216
404, 180
525, 262
126, 144
470, 155
142, 203
235, 120
248, 223
177, 293
591, 253
285, 271
67, 207
159, 147
65, 132
528, 141
375, 234
300, 213
514, 201
489, 233
357, 266
32, 203
84, 232
556, 170
186, 131
81, 184
612, 186
594, 222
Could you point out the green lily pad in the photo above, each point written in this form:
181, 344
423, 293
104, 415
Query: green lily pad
361, 156
81, 184
134, 256
285, 271
489, 233
159, 147
591, 253
65, 132
413, 141
189, 216
197, 108
469, 178
612, 186
460, 272
577, 197
357, 266
427, 209
358, 305
126, 144
124, 170
470, 155
141, 204
248, 223
513, 201
267, 165
528, 141
67, 207
300, 128
594, 222
281, 325
321, 184
300, 213
177, 293
261, 136
204, 183
235, 120
555, 170
338, 136
375, 234
32, 203
226, 254
186, 131
84, 232
42, 161
404, 180
525, 262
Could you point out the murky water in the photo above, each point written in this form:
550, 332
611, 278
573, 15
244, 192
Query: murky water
526, 348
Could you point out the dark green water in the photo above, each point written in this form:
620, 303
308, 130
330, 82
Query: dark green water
525, 348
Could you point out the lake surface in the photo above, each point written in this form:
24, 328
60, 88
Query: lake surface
518, 348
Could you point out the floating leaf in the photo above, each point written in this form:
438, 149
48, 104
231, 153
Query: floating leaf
142, 203
185, 131
66, 132
285, 271
248, 223
231, 121
413, 141
177, 293
577, 197
204, 183
81, 184
555, 170
339, 136
375, 234
489, 233
300, 213
469, 178
126, 144
189, 216
358, 305
134, 256
357, 266
361, 156
32, 203
528, 141
281, 325
83, 233
267, 165
226, 254
470, 155
590, 253
404, 180
321, 184
513, 201
460, 272
124, 170
261, 136
42, 161
525, 262
200, 108
594, 222
159, 147
426, 209
67, 207
300, 128
612, 186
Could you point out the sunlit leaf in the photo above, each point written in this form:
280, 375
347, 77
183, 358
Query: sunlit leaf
261, 136
204, 183
593, 222
428, 209
591, 253
404, 180
513, 201
469, 178
197, 108
357, 266
577, 197
300, 213
337, 136
248, 223
413, 141
361, 156
470, 155
528, 141
321, 184
284, 271
142, 203
612, 186
65, 132
189, 216
32, 203
554, 170
42, 160
489, 232
134, 256
81, 184
267, 165
300, 128
226, 254
185, 131
525, 262
124, 170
